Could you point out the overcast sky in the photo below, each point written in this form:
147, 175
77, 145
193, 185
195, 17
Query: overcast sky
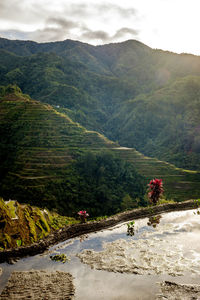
165, 24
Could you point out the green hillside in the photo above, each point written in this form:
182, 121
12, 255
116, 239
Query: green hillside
48, 160
21, 225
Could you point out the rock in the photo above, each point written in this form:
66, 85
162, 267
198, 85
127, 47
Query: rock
11, 261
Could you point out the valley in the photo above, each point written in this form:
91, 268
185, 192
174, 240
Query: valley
99, 150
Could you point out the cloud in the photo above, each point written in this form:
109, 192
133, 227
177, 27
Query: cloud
5, 4
55, 29
61, 23
47, 35
12, 10
2, 5
124, 31
78, 10
96, 35
123, 12
103, 36
96, 9
58, 30
46, 20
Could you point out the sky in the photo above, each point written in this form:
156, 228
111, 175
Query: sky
171, 25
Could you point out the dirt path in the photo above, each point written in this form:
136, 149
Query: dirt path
39, 285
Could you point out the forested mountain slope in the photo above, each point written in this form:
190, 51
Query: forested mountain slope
164, 124
143, 98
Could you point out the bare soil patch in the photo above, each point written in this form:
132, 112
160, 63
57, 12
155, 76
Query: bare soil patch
174, 291
39, 285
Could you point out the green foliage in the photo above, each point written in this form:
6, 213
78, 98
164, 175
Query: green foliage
59, 257
128, 203
97, 183
58, 221
99, 218
12, 209
162, 200
30, 224
154, 221
6, 240
197, 202
130, 224
19, 243
10, 89
131, 228
108, 179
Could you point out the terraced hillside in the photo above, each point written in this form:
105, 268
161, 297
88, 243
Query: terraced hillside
44, 154
179, 184
49, 160
21, 225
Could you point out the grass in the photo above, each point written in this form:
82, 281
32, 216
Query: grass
31, 224
12, 208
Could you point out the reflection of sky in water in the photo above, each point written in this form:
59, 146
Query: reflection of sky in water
177, 228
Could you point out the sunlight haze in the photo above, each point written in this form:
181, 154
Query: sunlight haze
165, 24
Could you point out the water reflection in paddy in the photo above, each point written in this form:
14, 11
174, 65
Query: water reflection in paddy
166, 249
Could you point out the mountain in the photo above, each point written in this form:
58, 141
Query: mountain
138, 96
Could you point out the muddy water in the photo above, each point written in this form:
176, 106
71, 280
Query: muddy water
113, 265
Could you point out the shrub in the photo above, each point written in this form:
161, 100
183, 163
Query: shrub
155, 190
83, 215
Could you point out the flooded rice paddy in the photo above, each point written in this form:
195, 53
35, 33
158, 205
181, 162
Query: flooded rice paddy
112, 264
